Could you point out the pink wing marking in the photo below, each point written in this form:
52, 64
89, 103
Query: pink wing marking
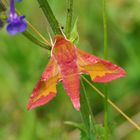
45, 89
99, 70
65, 54
71, 82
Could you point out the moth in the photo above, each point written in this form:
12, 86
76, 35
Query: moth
66, 64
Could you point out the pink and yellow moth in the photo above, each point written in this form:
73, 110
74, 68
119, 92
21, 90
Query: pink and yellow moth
66, 64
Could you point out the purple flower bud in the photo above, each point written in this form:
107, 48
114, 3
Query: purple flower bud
16, 23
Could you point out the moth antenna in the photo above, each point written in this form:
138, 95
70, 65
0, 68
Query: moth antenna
52, 43
63, 33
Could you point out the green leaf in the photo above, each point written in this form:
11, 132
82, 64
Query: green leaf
100, 131
74, 36
76, 125
86, 114
84, 136
92, 129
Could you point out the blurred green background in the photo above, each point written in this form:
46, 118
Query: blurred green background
22, 63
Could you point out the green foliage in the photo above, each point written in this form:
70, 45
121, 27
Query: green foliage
74, 36
50, 16
22, 62
100, 131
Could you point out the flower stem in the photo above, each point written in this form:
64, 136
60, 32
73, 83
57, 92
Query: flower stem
36, 41
12, 7
50, 16
87, 114
106, 132
105, 30
38, 33
69, 18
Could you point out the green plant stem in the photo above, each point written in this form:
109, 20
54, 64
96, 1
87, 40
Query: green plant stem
69, 18
106, 132
86, 113
105, 30
85, 107
35, 40
50, 16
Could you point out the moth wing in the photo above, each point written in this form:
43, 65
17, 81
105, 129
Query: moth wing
99, 70
45, 89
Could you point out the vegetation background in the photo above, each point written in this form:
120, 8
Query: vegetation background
22, 63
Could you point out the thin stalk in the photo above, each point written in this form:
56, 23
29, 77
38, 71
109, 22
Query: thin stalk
50, 16
38, 33
35, 40
69, 18
113, 105
106, 130
105, 30
87, 114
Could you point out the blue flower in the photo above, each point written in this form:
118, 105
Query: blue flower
16, 23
